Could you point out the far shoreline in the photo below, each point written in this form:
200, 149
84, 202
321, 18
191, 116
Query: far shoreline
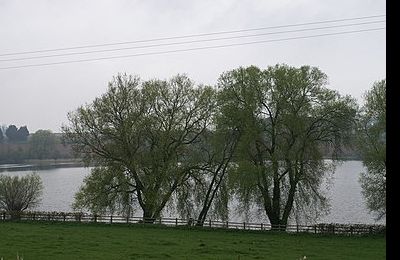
38, 164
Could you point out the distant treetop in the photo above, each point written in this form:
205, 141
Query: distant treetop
1, 136
17, 135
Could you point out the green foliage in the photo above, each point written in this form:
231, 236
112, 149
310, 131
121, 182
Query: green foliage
42, 145
146, 129
286, 117
105, 190
206, 192
20, 193
372, 145
262, 136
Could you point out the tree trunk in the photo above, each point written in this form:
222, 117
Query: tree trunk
201, 218
15, 215
212, 191
276, 199
148, 216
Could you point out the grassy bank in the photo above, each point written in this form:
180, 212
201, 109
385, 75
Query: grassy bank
41, 240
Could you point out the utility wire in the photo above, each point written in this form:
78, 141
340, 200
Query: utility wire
192, 35
192, 49
187, 42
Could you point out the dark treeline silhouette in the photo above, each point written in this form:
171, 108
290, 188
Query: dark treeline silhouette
12, 134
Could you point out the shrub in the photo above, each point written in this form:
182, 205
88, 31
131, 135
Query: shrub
20, 193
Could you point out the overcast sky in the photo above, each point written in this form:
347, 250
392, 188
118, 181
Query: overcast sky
40, 97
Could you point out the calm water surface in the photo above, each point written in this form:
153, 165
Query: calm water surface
348, 206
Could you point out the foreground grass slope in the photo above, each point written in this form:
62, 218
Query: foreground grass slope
41, 240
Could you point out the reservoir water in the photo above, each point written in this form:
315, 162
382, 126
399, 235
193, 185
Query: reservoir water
348, 205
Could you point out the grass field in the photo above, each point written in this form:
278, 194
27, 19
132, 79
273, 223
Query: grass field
46, 240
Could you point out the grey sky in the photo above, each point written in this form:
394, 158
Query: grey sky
41, 97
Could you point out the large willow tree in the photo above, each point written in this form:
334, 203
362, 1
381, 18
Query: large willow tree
141, 136
287, 120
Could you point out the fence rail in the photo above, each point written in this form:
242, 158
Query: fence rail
321, 228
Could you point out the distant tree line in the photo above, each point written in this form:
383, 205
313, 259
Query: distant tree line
17, 145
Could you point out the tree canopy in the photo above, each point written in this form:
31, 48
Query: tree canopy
22, 134
143, 131
11, 133
260, 135
43, 145
372, 146
286, 117
17, 135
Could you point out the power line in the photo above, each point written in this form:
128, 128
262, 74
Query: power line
192, 49
192, 35
187, 42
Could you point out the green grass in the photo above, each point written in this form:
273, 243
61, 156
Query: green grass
46, 240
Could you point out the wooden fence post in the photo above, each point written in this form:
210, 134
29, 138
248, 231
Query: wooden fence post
111, 219
261, 226
244, 225
210, 222
176, 221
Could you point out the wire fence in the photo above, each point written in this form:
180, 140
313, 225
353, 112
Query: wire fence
321, 228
